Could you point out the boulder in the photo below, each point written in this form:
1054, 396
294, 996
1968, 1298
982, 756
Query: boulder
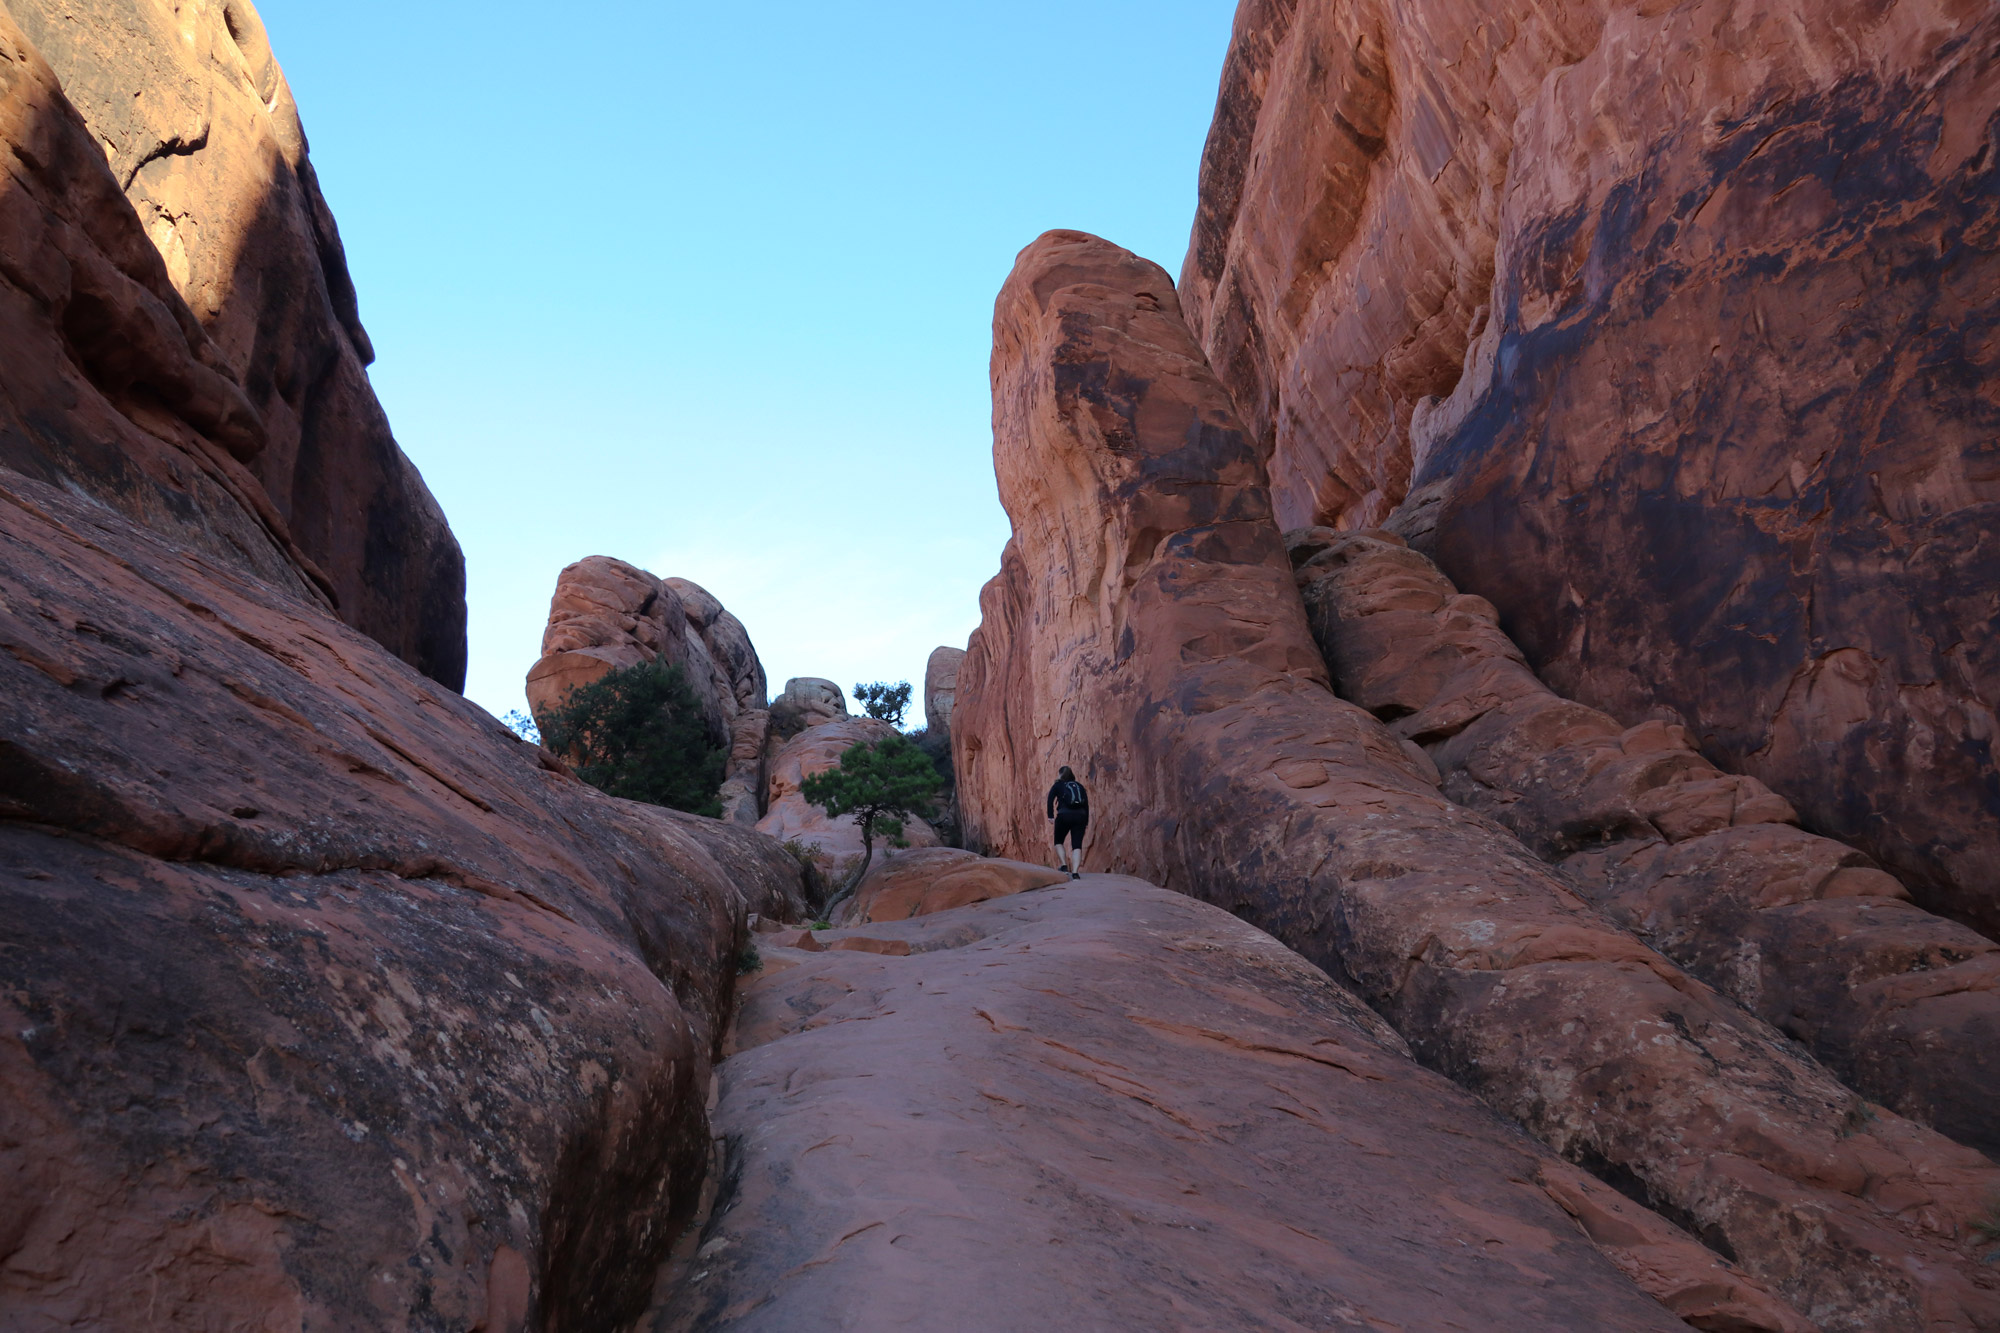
833, 844
607, 615
807, 702
938, 879
1668, 330
1146, 629
192, 113
1152, 1116
1804, 931
736, 668
940, 682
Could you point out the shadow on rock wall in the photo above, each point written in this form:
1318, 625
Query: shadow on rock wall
1671, 332
201, 132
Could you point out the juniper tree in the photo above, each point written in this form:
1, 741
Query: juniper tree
884, 701
640, 733
881, 783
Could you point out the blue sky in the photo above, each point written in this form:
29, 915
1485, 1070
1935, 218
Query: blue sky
710, 288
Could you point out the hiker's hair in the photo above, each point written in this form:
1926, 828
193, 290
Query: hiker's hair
1066, 775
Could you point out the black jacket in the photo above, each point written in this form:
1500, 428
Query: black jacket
1068, 797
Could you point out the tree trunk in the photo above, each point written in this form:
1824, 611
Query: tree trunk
867, 856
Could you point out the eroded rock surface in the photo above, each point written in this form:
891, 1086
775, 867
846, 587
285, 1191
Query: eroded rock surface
937, 879
1114, 1107
1800, 929
1145, 629
940, 684
807, 701
327, 1000
607, 615
192, 112
1669, 330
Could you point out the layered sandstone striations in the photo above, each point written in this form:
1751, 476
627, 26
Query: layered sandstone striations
1147, 1115
1668, 329
1802, 930
327, 1002
606, 615
190, 109
1145, 629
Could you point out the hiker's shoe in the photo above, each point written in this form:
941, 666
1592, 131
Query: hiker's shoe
1074, 875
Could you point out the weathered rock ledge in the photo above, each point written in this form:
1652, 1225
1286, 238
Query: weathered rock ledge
1803, 931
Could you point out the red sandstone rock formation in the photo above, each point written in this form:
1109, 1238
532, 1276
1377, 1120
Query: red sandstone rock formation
808, 701
1149, 1115
940, 684
324, 1001
1145, 629
936, 879
1799, 929
1669, 330
606, 615
193, 114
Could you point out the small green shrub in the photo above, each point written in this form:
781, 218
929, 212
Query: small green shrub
749, 960
641, 733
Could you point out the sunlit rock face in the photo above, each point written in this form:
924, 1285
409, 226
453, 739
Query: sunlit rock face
1670, 331
1145, 629
191, 111
324, 1000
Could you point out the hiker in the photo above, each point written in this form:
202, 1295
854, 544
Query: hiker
1069, 806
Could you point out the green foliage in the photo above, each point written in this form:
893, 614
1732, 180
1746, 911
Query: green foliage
523, 726
880, 783
822, 925
1988, 1228
884, 701
640, 733
749, 960
936, 744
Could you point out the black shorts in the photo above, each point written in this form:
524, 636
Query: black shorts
1071, 824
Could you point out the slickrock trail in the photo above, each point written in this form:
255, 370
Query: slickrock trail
1669, 329
1145, 625
1103, 1106
1668, 332
1799, 929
